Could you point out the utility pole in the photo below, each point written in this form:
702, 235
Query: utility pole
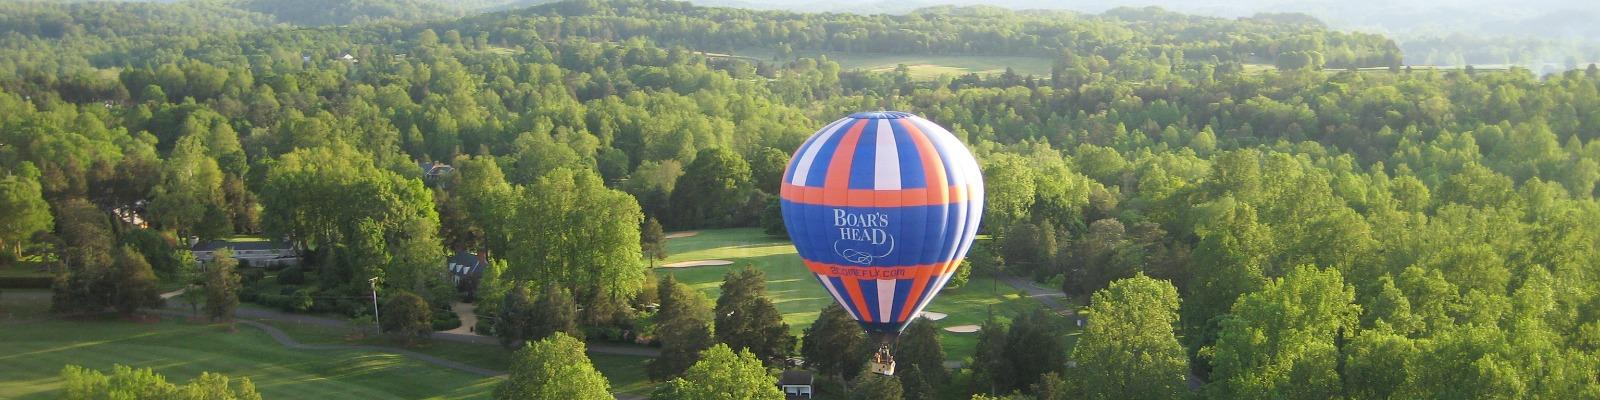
375, 323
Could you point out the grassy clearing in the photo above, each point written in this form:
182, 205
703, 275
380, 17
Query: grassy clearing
922, 66
800, 298
626, 373
31, 355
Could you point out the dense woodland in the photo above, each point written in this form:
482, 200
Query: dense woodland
1300, 232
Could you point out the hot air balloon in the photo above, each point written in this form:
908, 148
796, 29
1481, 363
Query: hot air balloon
882, 207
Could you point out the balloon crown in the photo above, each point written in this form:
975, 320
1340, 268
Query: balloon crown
880, 115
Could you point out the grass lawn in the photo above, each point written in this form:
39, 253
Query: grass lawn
923, 66
800, 298
626, 373
32, 354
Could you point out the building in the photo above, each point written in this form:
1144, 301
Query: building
796, 384
255, 253
433, 171
465, 269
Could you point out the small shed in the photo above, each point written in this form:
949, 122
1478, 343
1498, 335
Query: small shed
796, 384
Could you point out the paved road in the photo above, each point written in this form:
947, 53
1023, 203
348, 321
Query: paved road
1049, 297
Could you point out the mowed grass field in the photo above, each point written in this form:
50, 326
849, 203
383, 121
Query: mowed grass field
33, 353
800, 298
923, 66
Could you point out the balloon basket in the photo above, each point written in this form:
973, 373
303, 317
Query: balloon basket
882, 363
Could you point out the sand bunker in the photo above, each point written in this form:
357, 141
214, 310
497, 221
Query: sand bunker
700, 263
683, 234
933, 316
963, 329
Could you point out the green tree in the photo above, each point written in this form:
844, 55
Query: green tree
189, 198
406, 314
222, 286
79, 383
1128, 350
23, 211
876, 387
919, 360
135, 283
553, 368
747, 320
1283, 340
569, 229
1032, 348
515, 316
712, 192
653, 241
554, 312
683, 326
834, 345
722, 374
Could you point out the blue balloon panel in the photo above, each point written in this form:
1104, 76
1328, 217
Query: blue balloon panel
882, 207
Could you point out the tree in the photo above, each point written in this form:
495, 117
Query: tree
682, 326
653, 241
1032, 348
989, 363
569, 229
406, 314
1283, 340
876, 387
136, 282
713, 191
222, 286
553, 368
834, 345
919, 360
23, 211
1128, 349
515, 318
190, 198
554, 312
722, 374
79, 383
747, 320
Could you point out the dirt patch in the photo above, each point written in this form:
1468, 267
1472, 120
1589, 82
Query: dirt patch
933, 316
700, 263
683, 234
963, 329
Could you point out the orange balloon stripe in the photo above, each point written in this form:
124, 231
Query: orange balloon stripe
851, 271
853, 286
934, 175
872, 198
839, 166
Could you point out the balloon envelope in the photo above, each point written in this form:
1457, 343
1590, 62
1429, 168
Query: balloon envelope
882, 207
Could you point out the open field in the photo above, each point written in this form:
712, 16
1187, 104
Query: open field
922, 66
32, 354
625, 373
800, 298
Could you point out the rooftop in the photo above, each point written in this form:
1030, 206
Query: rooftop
791, 378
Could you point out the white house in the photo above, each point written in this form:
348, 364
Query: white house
259, 253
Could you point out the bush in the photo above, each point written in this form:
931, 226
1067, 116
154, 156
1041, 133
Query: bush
292, 276
407, 315
446, 320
